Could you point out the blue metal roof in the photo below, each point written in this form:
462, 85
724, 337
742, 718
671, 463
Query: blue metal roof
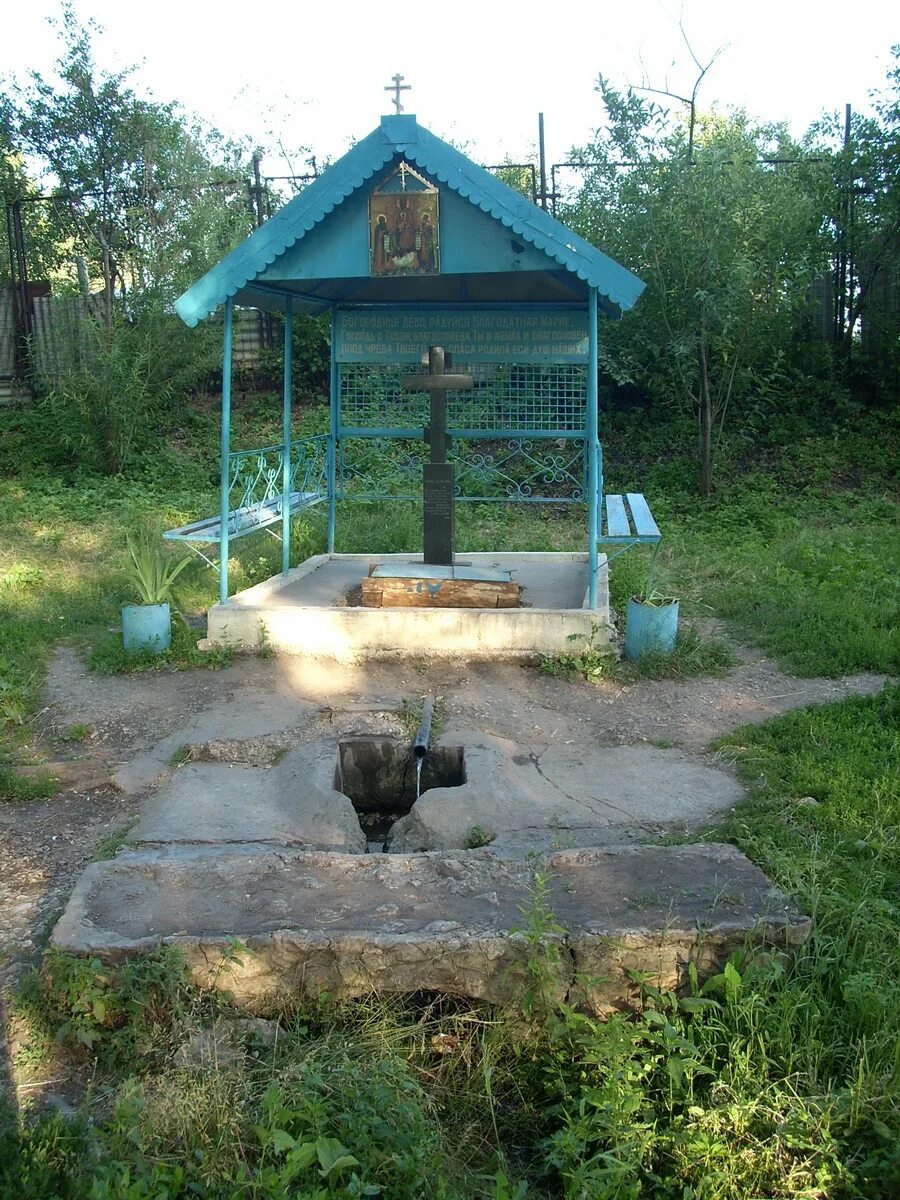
400, 135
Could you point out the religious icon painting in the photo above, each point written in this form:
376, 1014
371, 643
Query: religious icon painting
404, 236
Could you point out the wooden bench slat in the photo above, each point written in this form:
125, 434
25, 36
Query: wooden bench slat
644, 525
616, 517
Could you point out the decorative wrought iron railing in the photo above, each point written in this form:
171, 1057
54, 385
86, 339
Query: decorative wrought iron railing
309, 466
518, 435
256, 478
526, 470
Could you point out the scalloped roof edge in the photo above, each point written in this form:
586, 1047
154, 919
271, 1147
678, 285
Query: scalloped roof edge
402, 135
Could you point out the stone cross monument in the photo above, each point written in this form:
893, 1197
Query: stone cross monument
437, 475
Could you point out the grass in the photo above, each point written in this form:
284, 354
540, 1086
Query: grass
693, 655
109, 846
779, 1077
800, 559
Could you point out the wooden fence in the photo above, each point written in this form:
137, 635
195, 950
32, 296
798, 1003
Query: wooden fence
56, 324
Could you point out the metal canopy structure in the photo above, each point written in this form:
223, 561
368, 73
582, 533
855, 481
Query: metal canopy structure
409, 244
313, 252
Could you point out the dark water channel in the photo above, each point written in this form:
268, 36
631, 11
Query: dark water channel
380, 777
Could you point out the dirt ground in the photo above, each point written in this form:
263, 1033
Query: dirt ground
45, 844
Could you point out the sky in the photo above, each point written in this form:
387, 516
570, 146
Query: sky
311, 76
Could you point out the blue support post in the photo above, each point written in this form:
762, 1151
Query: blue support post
286, 439
225, 451
334, 401
593, 448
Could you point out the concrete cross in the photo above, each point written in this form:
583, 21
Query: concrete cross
397, 87
437, 475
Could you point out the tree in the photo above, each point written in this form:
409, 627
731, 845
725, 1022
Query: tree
863, 211
726, 242
136, 182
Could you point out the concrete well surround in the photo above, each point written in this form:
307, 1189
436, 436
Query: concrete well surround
274, 855
519, 800
304, 612
350, 924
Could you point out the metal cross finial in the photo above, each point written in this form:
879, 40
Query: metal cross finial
397, 87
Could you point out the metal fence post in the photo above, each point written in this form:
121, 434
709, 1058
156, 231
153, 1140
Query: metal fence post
286, 439
225, 450
593, 448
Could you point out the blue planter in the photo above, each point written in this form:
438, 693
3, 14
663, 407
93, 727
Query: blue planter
147, 627
650, 627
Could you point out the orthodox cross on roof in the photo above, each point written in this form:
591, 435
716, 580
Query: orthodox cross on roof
397, 87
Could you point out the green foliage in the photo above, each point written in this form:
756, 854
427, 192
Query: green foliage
151, 572
868, 167
118, 1014
311, 362
109, 657
817, 590
777, 1076
108, 383
77, 733
726, 245
693, 655
21, 788
543, 937
595, 660
109, 846
478, 836
130, 172
103, 401
654, 588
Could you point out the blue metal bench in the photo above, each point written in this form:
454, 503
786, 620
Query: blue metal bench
627, 521
241, 521
256, 482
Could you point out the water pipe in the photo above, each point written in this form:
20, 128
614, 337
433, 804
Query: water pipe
423, 736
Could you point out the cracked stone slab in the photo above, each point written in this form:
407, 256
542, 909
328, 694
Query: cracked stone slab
349, 924
292, 803
529, 799
263, 716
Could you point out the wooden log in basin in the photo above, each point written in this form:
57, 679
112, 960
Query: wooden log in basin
380, 592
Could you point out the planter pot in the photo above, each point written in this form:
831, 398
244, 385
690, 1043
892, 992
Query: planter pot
650, 627
147, 627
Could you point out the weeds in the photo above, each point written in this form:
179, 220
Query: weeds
410, 716
693, 655
778, 1077
109, 846
116, 1014
77, 733
16, 788
478, 836
110, 657
594, 661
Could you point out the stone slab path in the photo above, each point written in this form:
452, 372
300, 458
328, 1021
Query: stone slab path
255, 710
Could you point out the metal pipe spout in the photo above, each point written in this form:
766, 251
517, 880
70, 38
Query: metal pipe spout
423, 735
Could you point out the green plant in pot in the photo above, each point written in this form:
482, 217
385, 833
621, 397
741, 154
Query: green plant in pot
147, 624
651, 623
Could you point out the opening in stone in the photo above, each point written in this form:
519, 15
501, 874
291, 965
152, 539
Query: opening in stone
379, 777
